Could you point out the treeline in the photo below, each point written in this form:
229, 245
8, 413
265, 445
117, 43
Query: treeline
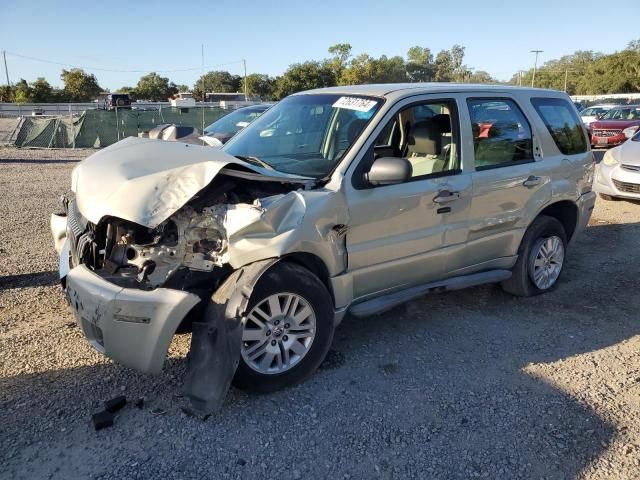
584, 72
589, 73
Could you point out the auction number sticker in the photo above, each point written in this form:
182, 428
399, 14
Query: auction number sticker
355, 103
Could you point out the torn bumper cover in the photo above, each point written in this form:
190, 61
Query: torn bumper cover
216, 341
131, 326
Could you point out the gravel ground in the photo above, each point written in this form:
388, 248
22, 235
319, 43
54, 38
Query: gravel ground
466, 384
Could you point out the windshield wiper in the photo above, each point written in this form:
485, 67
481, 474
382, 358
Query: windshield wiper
255, 161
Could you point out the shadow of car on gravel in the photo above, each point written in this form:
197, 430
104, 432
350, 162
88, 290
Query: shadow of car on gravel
457, 402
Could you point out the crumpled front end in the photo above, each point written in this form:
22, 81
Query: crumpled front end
134, 276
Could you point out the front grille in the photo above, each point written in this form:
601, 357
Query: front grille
76, 226
631, 168
627, 187
606, 133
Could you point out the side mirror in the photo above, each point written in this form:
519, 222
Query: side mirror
598, 116
389, 171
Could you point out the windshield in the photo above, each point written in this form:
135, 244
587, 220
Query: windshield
622, 114
234, 121
305, 135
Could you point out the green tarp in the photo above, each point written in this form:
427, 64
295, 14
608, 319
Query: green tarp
101, 128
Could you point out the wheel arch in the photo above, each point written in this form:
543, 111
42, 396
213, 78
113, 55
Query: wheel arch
566, 212
314, 264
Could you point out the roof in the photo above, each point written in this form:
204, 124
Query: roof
387, 89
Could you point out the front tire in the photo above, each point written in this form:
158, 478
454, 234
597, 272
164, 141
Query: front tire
540, 258
288, 331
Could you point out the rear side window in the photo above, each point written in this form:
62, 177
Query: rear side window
563, 124
501, 133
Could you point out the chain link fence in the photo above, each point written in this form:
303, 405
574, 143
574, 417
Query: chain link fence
100, 128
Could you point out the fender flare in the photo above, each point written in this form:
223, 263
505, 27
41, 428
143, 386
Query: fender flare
216, 340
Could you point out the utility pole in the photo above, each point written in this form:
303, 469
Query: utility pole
566, 77
204, 93
535, 66
244, 63
519, 78
6, 70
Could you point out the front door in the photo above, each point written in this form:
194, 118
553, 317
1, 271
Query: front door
399, 234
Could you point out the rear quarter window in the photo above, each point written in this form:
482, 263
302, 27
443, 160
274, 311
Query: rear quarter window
562, 123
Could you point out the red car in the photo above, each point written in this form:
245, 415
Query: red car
615, 126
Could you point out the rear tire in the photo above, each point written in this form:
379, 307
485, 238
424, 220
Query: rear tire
538, 269
288, 331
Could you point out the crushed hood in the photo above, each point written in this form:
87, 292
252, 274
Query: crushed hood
146, 181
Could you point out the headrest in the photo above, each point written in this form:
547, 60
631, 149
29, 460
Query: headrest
424, 138
443, 122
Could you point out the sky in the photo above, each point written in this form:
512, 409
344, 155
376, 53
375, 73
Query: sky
143, 36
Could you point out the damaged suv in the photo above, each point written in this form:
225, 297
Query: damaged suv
346, 199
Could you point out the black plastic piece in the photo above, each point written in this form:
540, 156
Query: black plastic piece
102, 420
216, 341
115, 404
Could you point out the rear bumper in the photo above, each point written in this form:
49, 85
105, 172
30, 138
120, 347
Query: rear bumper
585, 204
133, 327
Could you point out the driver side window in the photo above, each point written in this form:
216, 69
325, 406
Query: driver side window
426, 135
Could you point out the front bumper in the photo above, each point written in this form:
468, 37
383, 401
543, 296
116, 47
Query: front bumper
133, 327
617, 181
608, 141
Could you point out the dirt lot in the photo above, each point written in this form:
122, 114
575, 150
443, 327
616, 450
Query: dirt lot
467, 384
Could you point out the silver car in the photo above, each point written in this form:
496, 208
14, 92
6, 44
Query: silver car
346, 199
618, 174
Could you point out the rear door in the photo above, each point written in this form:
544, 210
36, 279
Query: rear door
509, 182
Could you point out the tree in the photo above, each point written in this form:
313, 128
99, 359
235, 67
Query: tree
217, 81
304, 76
183, 88
481, 76
366, 69
41, 91
6, 93
443, 67
341, 53
80, 86
634, 45
155, 88
22, 92
125, 89
420, 67
259, 85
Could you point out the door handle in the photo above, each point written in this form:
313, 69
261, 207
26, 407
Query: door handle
532, 181
446, 196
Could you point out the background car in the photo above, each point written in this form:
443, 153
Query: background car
618, 174
616, 126
119, 100
220, 131
595, 112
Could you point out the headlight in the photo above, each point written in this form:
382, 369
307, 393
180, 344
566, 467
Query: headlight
74, 179
630, 132
608, 159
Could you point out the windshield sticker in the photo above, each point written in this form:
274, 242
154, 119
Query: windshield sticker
355, 103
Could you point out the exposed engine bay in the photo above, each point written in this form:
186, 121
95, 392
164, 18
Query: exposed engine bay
195, 238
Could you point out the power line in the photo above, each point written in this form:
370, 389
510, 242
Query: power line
101, 69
